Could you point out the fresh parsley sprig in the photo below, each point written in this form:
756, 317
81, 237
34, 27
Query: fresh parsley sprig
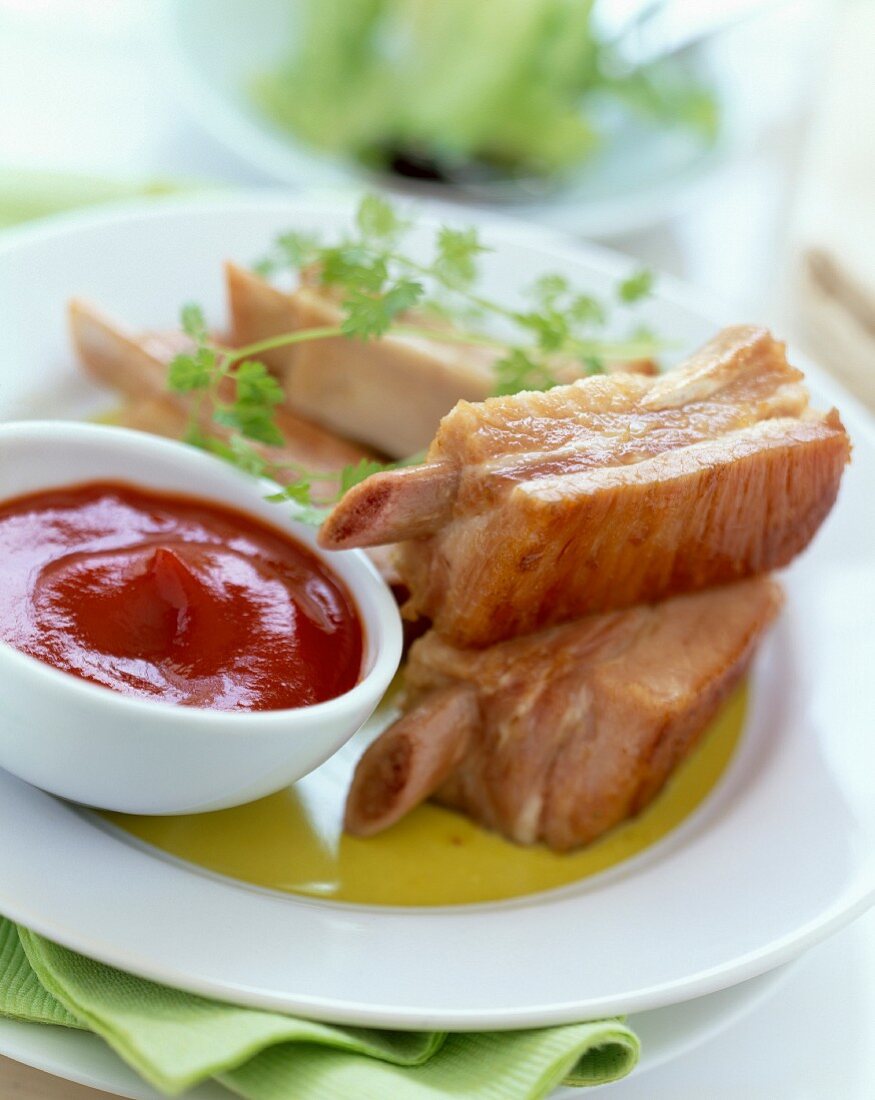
381, 291
242, 394
377, 283
231, 391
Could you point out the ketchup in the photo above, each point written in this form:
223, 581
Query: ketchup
172, 598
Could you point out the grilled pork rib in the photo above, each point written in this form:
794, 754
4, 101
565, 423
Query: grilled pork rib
558, 736
389, 393
136, 364
542, 507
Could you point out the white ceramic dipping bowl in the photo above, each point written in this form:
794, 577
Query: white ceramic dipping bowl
93, 745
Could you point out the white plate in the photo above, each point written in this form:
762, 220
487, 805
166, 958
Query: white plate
640, 175
665, 1033
780, 855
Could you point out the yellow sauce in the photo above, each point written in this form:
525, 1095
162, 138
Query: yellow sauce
292, 841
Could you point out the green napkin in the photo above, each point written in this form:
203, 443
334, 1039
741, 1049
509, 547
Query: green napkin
22, 997
175, 1039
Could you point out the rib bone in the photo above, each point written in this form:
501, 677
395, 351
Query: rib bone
575, 728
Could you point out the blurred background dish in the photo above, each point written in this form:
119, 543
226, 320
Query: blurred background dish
471, 96
523, 108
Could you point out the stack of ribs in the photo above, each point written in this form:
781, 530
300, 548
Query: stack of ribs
593, 562
590, 565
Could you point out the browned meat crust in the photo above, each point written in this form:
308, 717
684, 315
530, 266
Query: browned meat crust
606, 493
577, 727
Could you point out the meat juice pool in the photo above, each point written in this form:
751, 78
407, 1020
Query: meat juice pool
292, 841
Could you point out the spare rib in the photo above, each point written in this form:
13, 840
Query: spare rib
542, 507
136, 365
389, 393
558, 736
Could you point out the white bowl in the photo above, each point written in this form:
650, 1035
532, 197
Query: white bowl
93, 745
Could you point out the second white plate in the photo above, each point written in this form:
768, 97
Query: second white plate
665, 1033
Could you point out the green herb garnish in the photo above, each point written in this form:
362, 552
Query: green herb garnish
556, 337
379, 283
464, 87
636, 287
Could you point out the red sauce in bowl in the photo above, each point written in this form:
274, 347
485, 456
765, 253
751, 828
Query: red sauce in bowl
173, 598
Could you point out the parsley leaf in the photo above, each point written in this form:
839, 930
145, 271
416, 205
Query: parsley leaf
455, 264
636, 286
583, 309
550, 328
290, 250
518, 371
352, 475
370, 315
192, 321
352, 267
300, 494
298, 249
256, 385
548, 288
244, 456
298, 491
191, 371
251, 421
378, 221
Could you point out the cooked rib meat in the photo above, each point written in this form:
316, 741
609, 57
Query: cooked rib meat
156, 415
558, 736
542, 507
136, 366
413, 758
390, 393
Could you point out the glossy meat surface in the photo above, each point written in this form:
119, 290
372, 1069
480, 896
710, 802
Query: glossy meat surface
606, 493
389, 394
576, 728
